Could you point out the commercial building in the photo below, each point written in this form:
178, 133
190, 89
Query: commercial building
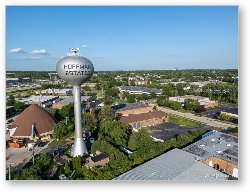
139, 90
34, 120
59, 92
145, 119
67, 100
131, 109
203, 101
218, 150
175, 165
42, 101
12, 81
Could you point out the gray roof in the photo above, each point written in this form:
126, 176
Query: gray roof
173, 165
70, 99
128, 106
218, 144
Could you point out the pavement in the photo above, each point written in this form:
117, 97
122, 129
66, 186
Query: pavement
168, 130
20, 156
206, 120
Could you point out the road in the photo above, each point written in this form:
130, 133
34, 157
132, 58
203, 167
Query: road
208, 121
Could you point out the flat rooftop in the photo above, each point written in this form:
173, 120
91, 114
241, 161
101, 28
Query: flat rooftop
218, 144
174, 165
128, 106
139, 89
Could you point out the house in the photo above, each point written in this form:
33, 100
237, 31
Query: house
99, 160
127, 109
97, 104
138, 121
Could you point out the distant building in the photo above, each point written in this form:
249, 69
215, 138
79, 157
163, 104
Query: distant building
12, 80
67, 100
131, 109
99, 160
139, 90
26, 80
203, 101
90, 85
59, 92
145, 119
42, 101
175, 165
218, 150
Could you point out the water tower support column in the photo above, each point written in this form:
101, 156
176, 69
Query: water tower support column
79, 147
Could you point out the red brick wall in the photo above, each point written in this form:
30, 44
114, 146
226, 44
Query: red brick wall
224, 166
135, 111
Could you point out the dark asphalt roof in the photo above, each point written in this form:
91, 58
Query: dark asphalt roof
128, 106
99, 157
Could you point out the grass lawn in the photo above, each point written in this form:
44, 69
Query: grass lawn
185, 122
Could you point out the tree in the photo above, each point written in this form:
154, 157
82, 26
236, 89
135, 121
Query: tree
19, 106
106, 113
76, 163
175, 105
11, 101
131, 98
67, 111
191, 104
161, 101
67, 168
115, 132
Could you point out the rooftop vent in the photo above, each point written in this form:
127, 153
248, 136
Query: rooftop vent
219, 152
228, 145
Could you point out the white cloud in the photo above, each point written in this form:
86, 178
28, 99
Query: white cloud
32, 58
41, 51
84, 46
17, 50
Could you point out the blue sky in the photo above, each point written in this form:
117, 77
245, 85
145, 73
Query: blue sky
123, 38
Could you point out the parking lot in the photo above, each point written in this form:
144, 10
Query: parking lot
168, 130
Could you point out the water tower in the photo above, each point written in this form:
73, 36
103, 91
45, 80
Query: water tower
76, 69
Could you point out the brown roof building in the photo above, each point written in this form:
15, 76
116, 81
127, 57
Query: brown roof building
43, 121
145, 119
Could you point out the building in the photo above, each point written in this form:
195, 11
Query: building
10, 81
89, 85
99, 160
67, 100
131, 109
59, 92
42, 101
33, 120
145, 119
97, 104
139, 90
203, 101
175, 165
218, 150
